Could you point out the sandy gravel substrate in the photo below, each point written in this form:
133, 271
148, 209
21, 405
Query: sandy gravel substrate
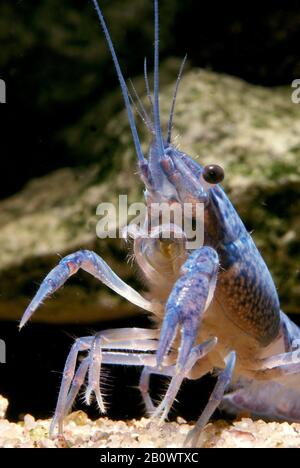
81, 432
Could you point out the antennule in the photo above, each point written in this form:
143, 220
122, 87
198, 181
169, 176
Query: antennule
170, 124
140, 108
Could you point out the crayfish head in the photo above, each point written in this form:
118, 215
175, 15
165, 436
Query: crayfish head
177, 194
174, 177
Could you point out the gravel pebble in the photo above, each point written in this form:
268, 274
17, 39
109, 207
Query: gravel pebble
81, 432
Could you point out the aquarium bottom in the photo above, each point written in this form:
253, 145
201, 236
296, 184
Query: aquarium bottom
81, 432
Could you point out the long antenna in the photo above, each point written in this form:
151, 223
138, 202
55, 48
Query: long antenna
170, 124
159, 139
122, 83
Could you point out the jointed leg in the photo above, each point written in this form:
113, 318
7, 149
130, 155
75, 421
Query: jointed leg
95, 357
144, 389
167, 371
140, 340
187, 303
277, 365
223, 382
93, 264
116, 358
109, 358
102, 342
81, 344
77, 383
197, 353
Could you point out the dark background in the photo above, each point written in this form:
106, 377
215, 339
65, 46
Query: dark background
56, 67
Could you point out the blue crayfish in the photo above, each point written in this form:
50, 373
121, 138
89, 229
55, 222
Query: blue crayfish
215, 307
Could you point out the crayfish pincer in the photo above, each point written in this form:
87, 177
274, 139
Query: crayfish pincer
214, 303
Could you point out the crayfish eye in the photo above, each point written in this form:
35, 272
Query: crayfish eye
213, 174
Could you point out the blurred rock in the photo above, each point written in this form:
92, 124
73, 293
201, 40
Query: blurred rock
54, 215
253, 132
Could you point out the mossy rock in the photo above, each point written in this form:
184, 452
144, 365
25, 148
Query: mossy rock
253, 132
